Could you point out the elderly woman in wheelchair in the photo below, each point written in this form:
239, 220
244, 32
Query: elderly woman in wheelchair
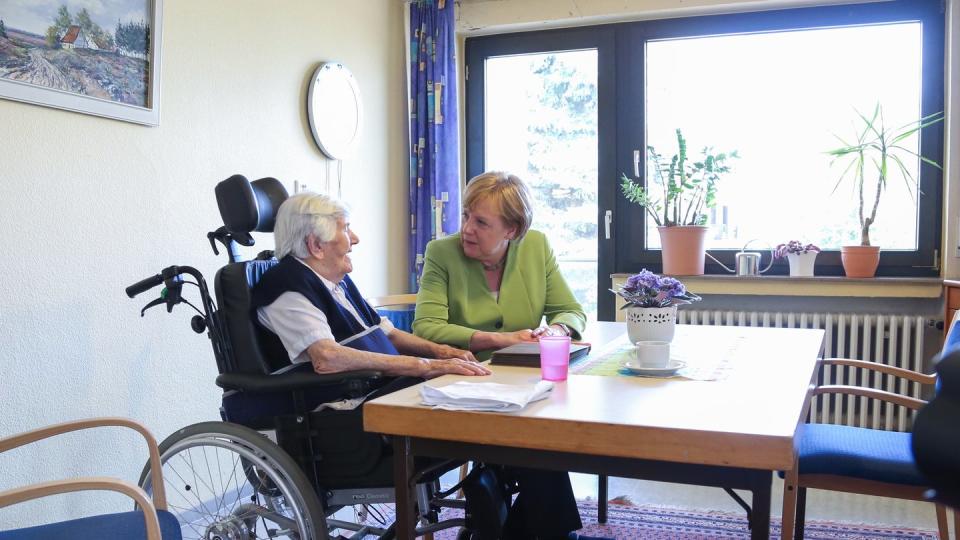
292, 452
310, 302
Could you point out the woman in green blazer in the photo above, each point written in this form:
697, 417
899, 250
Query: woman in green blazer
491, 284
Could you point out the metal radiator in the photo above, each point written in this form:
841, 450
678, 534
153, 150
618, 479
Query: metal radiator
895, 340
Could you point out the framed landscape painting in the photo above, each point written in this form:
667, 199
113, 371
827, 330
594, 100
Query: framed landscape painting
100, 58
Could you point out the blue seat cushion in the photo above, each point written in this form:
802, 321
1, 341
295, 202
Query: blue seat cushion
124, 525
401, 317
869, 454
952, 342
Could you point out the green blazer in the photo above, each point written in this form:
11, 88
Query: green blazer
454, 300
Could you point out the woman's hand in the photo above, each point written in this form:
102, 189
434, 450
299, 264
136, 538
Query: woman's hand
485, 341
446, 351
452, 366
520, 336
552, 330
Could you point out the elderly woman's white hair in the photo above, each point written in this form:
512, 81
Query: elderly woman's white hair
303, 215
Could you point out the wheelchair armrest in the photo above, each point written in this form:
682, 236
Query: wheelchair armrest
250, 382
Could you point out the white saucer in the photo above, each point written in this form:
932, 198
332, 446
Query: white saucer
671, 368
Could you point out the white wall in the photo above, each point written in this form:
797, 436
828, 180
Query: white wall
91, 205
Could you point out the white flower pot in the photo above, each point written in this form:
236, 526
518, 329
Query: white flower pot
801, 264
651, 324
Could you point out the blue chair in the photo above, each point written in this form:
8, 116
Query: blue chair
858, 459
152, 521
397, 308
936, 437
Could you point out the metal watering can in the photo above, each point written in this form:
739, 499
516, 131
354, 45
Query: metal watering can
745, 263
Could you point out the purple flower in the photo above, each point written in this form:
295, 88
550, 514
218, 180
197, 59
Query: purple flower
647, 289
644, 280
794, 247
672, 287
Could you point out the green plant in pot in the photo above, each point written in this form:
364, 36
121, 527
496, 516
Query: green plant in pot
876, 156
676, 196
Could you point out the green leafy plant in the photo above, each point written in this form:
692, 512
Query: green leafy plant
681, 188
878, 151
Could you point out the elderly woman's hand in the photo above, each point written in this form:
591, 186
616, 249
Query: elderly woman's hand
452, 366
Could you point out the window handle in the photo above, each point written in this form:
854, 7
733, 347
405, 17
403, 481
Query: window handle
636, 165
607, 220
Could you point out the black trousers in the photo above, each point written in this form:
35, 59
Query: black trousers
545, 507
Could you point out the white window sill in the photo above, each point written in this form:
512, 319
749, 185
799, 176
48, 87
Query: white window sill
882, 287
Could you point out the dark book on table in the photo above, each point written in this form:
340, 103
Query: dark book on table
528, 354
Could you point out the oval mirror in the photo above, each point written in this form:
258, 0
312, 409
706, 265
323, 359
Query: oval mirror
334, 110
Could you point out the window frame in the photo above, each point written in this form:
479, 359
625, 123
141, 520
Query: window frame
631, 223
621, 123
601, 38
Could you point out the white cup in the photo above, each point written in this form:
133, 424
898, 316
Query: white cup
653, 354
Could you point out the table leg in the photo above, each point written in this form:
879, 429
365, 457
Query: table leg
789, 514
603, 498
760, 526
402, 476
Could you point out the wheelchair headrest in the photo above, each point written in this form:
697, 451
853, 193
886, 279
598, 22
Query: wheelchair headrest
249, 206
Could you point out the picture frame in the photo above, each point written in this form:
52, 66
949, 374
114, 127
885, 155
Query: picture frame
112, 72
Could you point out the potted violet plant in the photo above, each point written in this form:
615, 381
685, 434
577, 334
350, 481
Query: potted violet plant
651, 305
800, 257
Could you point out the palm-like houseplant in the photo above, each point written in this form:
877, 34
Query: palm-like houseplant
676, 197
878, 152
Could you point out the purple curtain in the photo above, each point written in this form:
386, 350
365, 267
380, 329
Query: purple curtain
434, 145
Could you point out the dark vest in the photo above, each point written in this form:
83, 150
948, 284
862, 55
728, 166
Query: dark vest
290, 275
257, 410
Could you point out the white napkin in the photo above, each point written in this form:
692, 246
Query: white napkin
484, 396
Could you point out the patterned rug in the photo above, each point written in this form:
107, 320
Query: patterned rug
629, 522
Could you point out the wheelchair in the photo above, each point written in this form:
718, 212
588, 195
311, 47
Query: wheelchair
276, 467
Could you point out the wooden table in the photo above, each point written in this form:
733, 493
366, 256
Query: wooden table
727, 433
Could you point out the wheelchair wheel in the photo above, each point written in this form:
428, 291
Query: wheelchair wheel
227, 482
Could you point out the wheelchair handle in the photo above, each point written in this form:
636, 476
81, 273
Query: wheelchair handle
168, 275
144, 285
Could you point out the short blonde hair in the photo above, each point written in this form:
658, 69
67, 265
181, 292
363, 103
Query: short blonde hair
303, 215
508, 192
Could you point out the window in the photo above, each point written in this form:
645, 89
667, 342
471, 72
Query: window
778, 87
780, 100
534, 110
541, 120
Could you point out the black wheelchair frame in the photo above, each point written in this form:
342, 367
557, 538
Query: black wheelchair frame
271, 479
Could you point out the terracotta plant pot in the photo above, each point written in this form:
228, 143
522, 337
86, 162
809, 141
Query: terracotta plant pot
683, 249
860, 261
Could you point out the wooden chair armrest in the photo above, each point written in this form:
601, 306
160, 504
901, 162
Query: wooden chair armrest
908, 374
883, 395
156, 472
43, 489
393, 300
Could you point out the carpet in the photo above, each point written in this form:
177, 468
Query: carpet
629, 522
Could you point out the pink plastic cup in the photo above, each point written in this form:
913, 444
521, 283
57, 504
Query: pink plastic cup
554, 357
